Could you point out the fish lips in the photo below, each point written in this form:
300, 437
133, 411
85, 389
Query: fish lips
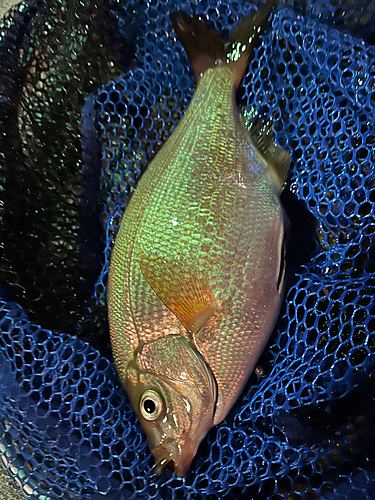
170, 456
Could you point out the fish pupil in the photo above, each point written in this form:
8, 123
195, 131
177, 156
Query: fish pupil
149, 406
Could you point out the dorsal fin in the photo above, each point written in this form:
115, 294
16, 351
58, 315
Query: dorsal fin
182, 288
263, 138
205, 47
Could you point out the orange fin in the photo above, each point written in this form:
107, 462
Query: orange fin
205, 47
188, 296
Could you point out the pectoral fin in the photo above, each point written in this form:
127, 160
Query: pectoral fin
183, 289
263, 137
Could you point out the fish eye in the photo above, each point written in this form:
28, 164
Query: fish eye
151, 405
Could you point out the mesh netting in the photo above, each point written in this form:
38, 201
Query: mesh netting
70, 156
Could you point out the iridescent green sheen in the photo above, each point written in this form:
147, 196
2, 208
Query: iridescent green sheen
203, 232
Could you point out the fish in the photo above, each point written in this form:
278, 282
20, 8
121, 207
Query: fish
197, 269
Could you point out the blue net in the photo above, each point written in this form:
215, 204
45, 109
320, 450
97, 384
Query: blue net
80, 120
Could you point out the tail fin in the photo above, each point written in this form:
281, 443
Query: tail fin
205, 47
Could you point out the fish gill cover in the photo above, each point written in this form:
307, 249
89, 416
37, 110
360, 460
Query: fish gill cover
80, 120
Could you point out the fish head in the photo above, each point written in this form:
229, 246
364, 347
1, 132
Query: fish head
173, 393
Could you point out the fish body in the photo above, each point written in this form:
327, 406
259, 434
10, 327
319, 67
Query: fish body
196, 272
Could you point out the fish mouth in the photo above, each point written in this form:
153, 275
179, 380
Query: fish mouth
164, 455
180, 468
163, 465
167, 458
